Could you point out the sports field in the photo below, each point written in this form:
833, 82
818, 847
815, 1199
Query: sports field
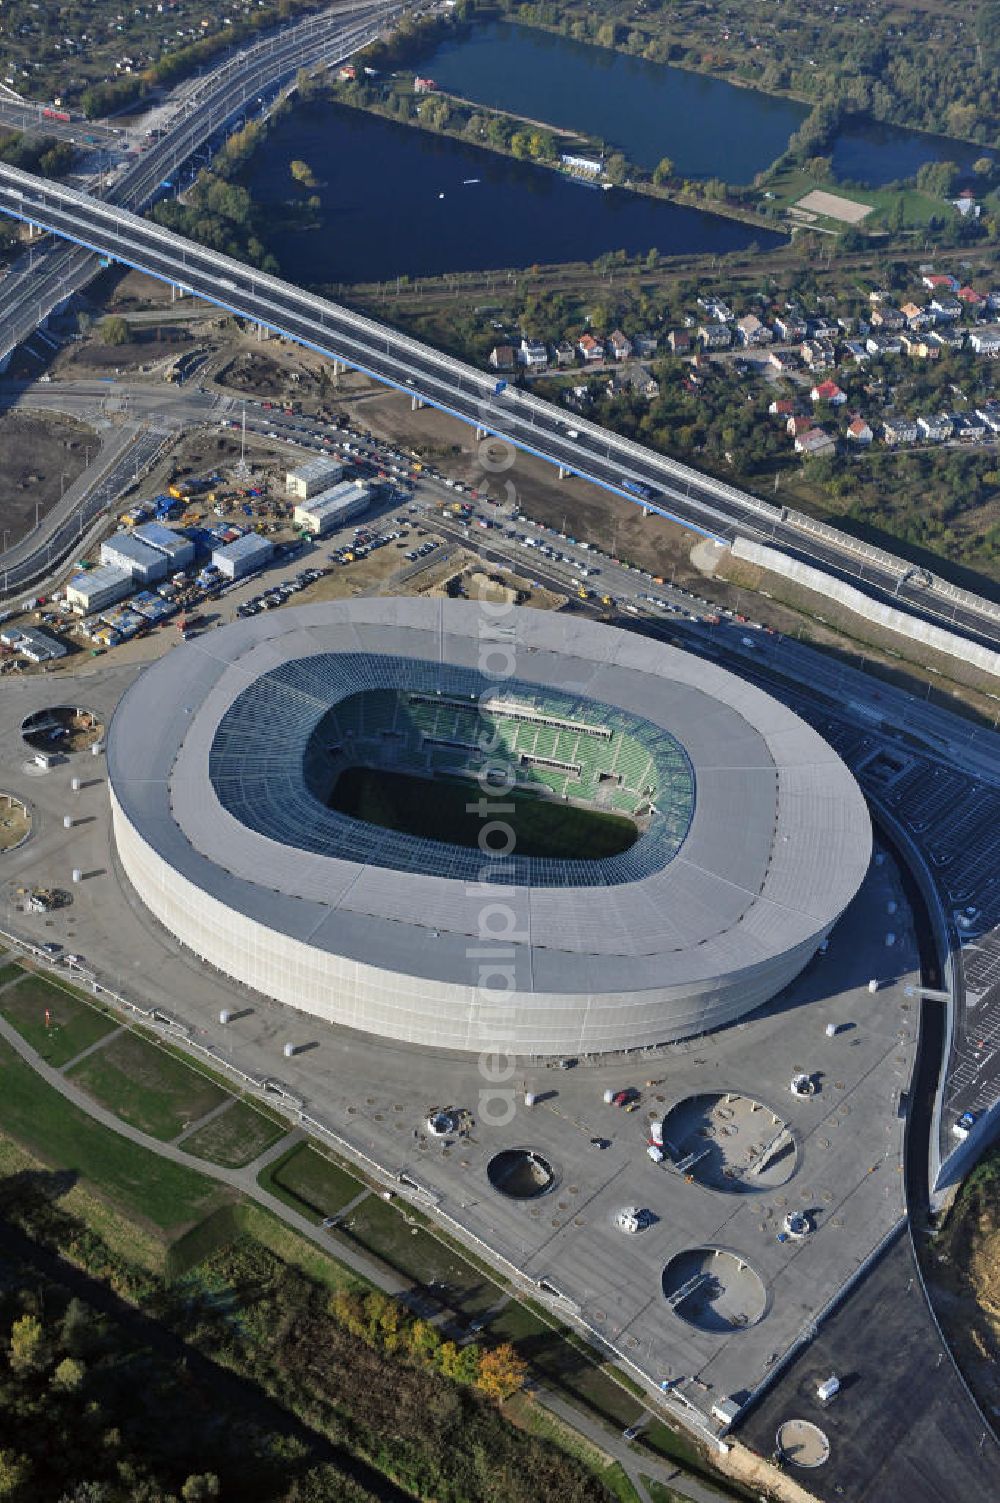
436, 809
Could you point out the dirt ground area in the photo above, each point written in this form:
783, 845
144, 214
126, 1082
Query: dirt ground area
41, 454
15, 821
469, 579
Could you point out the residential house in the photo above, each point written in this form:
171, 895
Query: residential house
900, 431
789, 330
935, 429
986, 341
919, 346
590, 348
968, 428
828, 391
533, 354
645, 345
815, 442
818, 354
883, 344
856, 349
715, 336
915, 314
752, 332
887, 318
782, 407
993, 300
858, 432
650, 387
565, 354
970, 297
781, 360
716, 309
990, 414
503, 357
939, 282
797, 425
679, 341
944, 308
620, 345
948, 337
822, 328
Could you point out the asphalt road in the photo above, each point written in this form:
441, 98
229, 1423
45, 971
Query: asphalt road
39, 283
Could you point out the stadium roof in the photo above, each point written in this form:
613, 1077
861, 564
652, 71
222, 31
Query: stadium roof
777, 846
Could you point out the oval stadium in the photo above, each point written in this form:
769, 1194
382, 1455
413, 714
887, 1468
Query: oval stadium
474, 829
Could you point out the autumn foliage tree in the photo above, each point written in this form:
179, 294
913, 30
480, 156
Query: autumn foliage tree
502, 1371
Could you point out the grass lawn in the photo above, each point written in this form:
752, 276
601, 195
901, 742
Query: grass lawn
148, 1188
9, 972
146, 1086
529, 1415
791, 184
74, 1023
309, 1182
659, 1493
416, 1254
435, 809
235, 1137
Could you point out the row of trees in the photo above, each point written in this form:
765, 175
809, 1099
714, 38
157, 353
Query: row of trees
383, 1323
244, 1380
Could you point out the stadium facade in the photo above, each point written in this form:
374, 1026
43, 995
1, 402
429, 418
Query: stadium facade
752, 836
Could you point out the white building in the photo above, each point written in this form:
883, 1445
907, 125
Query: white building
97, 588
245, 556
126, 551
176, 548
314, 477
333, 508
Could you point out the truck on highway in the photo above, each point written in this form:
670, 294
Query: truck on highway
640, 489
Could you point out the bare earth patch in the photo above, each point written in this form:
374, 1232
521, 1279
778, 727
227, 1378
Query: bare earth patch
834, 207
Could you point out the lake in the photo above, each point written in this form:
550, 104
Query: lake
873, 154
708, 128
398, 201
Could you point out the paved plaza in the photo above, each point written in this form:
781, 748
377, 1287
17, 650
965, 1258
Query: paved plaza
843, 1142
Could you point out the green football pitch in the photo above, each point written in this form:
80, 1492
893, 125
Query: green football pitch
437, 809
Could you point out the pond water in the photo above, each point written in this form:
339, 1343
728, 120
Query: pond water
398, 201
708, 128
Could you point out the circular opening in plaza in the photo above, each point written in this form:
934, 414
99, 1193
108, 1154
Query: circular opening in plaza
730, 1142
15, 821
802, 1443
520, 1173
714, 1290
62, 728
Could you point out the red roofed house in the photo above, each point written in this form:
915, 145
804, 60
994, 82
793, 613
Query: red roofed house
815, 442
828, 391
936, 281
782, 407
970, 297
796, 426
859, 432
590, 348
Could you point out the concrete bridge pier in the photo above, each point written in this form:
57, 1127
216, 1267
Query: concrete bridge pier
563, 472
416, 403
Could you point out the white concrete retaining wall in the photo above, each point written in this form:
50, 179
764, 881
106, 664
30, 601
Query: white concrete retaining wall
936, 637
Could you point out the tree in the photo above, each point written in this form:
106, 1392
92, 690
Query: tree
616, 168
200, 1487
520, 144
14, 1473
663, 172
937, 178
502, 1371
28, 1347
68, 1375
983, 166
114, 330
302, 173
